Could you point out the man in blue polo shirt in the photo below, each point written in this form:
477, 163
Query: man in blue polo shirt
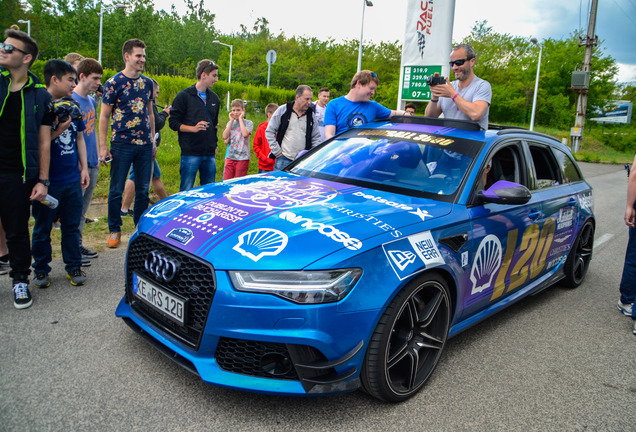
356, 107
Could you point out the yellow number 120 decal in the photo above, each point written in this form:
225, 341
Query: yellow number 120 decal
535, 245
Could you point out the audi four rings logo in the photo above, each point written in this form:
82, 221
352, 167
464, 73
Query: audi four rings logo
161, 267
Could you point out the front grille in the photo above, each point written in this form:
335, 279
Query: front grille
194, 282
248, 357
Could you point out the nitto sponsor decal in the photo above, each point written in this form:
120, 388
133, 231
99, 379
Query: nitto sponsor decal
402, 258
426, 249
327, 230
256, 244
382, 201
280, 194
371, 219
165, 207
181, 235
223, 211
565, 220
487, 262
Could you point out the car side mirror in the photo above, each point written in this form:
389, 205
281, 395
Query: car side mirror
505, 192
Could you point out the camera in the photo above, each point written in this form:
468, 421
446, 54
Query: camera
434, 80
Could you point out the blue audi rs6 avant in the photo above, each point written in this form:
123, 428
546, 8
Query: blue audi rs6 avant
353, 266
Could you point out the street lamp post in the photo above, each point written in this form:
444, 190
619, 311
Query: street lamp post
28, 23
229, 75
365, 3
101, 24
536, 83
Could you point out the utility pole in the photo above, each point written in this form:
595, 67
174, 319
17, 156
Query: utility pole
590, 42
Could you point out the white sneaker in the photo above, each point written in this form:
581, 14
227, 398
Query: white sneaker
625, 308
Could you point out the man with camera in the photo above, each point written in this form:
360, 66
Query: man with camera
466, 98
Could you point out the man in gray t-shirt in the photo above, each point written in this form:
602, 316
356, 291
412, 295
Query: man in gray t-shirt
468, 97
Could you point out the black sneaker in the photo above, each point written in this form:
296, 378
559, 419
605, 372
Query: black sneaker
77, 277
41, 280
86, 262
87, 253
21, 296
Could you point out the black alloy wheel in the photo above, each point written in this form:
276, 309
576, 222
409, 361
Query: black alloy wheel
580, 256
409, 340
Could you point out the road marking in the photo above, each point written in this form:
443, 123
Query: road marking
602, 240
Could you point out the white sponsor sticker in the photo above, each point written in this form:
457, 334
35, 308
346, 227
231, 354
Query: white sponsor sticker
425, 247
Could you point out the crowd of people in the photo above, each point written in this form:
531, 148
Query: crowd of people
50, 153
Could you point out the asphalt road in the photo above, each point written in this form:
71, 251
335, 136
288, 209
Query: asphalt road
561, 360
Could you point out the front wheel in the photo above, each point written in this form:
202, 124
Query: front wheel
580, 256
408, 341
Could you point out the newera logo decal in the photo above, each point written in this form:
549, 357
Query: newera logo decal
326, 230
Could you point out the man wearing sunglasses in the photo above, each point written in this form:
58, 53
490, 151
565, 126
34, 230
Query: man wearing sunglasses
466, 98
24, 153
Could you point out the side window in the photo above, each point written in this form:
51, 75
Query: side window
545, 167
504, 164
569, 171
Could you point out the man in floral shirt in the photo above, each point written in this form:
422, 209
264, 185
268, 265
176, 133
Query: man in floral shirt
127, 98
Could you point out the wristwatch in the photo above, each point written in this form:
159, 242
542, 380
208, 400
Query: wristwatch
45, 182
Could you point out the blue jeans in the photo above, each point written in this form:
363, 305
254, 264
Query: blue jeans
628, 281
205, 165
69, 210
281, 162
125, 155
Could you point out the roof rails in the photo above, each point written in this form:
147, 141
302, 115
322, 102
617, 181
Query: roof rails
434, 121
526, 132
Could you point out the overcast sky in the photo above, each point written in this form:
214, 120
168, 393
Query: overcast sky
341, 19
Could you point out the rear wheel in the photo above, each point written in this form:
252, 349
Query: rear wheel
580, 256
408, 341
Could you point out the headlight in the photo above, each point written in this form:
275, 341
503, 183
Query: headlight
306, 287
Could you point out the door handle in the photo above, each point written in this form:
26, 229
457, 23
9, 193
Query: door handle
534, 214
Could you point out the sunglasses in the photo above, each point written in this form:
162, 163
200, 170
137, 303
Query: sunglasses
373, 75
458, 62
9, 48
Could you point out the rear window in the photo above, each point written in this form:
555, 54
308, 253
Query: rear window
569, 170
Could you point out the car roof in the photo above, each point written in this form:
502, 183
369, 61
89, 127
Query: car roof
465, 129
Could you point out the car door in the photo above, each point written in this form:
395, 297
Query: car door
508, 241
559, 201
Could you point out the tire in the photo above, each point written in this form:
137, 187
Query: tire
408, 340
579, 258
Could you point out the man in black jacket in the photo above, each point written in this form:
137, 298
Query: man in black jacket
195, 115
293, 128
24, 153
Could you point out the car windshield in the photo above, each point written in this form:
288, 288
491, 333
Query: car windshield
411, 163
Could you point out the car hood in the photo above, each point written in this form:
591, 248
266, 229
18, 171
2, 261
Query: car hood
282, 221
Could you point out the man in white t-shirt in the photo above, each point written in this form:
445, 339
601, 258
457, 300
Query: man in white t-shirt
466, 98
320, 106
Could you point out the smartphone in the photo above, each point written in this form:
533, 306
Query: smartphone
108, 160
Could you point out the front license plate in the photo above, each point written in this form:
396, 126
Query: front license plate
165, 302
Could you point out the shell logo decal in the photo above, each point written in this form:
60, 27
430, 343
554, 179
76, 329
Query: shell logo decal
256, 244
487, 262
